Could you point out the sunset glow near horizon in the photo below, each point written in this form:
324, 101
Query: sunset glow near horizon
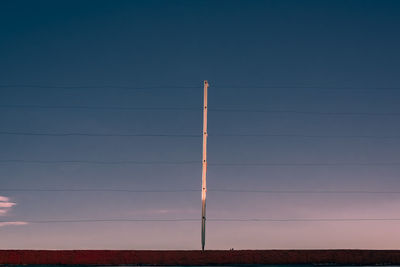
101, 123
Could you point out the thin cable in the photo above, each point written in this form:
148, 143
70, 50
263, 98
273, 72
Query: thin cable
340, 88
196, 190
104, 220
310, 136
97, 87
122, 162
345, 88
310, 164
210, 219
98, 190
306, 112
71, 134
302, 191
95, 134
98, 107
304, 220
199, 109
128, 162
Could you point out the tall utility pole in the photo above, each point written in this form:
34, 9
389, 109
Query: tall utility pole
204, 171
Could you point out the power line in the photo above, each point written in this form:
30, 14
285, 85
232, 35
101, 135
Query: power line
129, 162
303, 191
305, 220
95, 134
306, 112
339, 88
124, 87
98, 190
195, 190
310, 164
98, 107
310, 136
106, 220
70, 134
241, 110
272, 87
210, 219
98, 162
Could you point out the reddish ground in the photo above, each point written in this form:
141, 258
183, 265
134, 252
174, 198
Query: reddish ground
190, 257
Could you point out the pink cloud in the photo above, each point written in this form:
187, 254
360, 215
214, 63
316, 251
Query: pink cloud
5, 206
12, 223
4, 199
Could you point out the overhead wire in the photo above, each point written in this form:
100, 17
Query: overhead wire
242, 110
309, 136
7, 106
94, 134
216, 86
98, 162
124, 87
209, 219
83, 134
97, 190
302, 191
305, 112
321, 87
238, 164
85, 190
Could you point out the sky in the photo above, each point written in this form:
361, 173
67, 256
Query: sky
303, 96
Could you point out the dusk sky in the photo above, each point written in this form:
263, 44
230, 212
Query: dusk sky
317, 81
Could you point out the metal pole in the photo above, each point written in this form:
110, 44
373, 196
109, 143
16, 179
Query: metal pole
204, 171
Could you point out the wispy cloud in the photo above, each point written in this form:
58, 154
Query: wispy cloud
12, 223
3, 211
4, 199
5, 206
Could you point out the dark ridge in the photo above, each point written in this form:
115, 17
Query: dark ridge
199, 258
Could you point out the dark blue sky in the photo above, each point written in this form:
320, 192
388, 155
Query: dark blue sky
334, 58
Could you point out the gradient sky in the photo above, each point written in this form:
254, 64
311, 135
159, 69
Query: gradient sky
318, 56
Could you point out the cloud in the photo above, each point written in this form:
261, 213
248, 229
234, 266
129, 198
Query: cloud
12, 223
5, 206
4, 199
3, 211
